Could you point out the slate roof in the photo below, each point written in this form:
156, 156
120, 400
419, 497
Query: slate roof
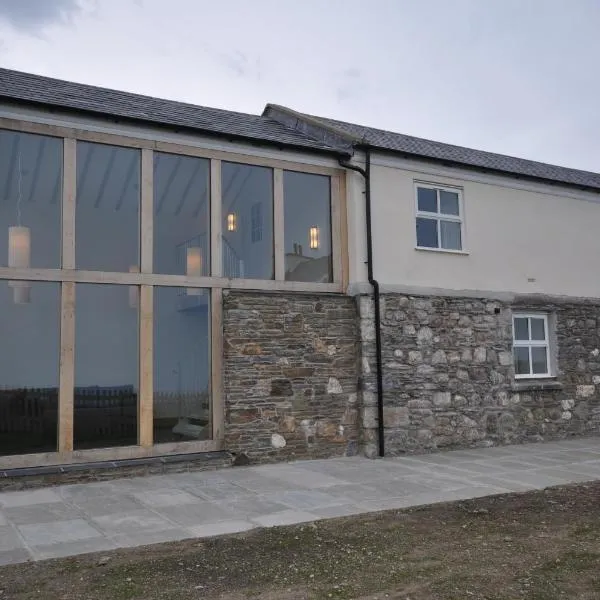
26, 87
479, 159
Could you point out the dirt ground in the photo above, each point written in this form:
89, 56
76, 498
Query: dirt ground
535, 546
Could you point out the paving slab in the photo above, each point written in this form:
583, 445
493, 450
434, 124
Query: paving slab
98, 516
15, 556
44, 534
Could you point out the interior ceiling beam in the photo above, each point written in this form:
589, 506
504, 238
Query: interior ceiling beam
56, 188
109, 166
128, 176
36, 169
11, 163
239, 191
188, 187
81, 177
168, 185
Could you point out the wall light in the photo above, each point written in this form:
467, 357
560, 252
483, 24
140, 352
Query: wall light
194, 267
19, 256
231, 222
314, 237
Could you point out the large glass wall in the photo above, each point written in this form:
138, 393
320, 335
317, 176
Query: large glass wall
29, 362
307, 220
181, 215
107, 236
182, 406
30, 200
106, 366
247, 227
106, 339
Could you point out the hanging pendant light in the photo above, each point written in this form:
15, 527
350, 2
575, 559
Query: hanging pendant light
19, 257
313, 235
194, 267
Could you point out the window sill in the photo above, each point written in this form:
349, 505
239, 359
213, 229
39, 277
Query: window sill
525, 385
442, 250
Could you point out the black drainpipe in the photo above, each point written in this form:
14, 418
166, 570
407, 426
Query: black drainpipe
366, 173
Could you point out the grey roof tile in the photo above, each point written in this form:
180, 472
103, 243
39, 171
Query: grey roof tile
26, 87
406, 144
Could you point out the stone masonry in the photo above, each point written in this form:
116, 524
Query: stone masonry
290, 375
449, 379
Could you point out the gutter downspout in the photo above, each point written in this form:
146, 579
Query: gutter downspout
366, 173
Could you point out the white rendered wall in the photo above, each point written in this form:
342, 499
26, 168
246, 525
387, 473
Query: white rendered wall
520, 237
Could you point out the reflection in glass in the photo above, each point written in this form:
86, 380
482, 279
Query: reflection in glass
181, 215
29, 369
539, 360
106, 367
427, 200
521, 360
538, 330
181, 365
521, 328
107, 213
307, 227
247, 221
449, 203
30, 201
427, 236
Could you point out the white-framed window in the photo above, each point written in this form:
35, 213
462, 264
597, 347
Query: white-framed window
531, 345
439, 217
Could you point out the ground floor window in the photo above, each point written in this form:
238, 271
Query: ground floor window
105, 398
29, 366
182, 390
531, 346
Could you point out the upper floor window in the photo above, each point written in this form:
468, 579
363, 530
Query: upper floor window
307, 227
531, 345
439, 217
256, 224
247, 225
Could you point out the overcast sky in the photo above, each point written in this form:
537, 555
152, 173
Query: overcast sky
518, 77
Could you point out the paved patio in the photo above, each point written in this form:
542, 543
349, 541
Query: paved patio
74, 519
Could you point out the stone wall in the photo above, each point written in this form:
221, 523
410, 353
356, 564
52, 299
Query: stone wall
449, 379
290, 375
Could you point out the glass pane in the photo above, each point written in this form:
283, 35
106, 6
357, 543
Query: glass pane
181, 215
247, 209
539, 360
106, 366
538, 330
521, 361
181, 364
450, 235
307, 224
449, 203
427, 236
427, 199
30, 325
521, 328
107, 234
30, 200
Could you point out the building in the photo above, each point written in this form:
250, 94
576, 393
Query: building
177, 279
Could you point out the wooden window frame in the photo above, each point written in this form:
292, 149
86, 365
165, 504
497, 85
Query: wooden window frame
67, 276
